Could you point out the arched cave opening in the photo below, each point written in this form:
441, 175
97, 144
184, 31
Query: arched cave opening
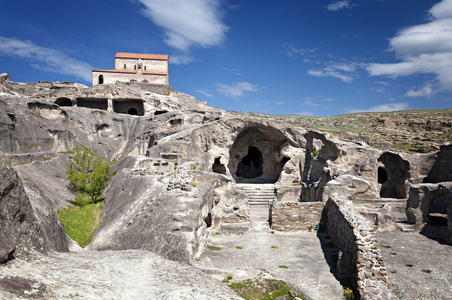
218, 167
101, 79
63, 101
251, 165
382, 175
397, 172
132, 111
255, 156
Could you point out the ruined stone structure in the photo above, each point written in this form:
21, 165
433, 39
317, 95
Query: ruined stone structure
135, 68
182, 162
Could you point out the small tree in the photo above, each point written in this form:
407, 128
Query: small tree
88, 173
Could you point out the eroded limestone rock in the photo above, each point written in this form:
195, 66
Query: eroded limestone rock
18, 226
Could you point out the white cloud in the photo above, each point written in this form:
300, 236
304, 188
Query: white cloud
425, 48
45, 59
339, 5
378, 90
337, 70
291, 50
187, 22
426, 91
383, 108
236, 89
280, 103
205, 93
305, 113
178, 59
309, 102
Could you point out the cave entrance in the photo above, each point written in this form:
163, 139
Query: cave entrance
251, 165
133, 107
218, 167
382, 175
255, 155
132, 111
392, 174
63, 101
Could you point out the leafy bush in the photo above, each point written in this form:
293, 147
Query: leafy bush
88, 173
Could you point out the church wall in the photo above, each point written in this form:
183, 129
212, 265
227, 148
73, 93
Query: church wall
152, 65
111, 78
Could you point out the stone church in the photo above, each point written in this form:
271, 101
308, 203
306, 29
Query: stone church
135, 68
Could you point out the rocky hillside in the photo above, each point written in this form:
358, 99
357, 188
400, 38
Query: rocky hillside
412, 131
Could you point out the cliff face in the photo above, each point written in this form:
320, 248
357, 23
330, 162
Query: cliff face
180, 160
20, 233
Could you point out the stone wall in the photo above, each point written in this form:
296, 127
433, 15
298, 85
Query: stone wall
292, 216
111, 77
360, 263
152, 65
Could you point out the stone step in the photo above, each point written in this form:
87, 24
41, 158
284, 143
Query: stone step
405, 227
258, 203
266, 196
259, 195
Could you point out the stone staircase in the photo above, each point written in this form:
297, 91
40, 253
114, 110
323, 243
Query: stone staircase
259, 195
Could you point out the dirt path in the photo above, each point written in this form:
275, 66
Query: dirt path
130, 274
301, 252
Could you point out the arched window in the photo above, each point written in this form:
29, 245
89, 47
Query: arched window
133, 81
101, 79
124, 66
145, 68
145, 81
132, 111
135, 67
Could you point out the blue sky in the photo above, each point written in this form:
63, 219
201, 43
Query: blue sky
312, 58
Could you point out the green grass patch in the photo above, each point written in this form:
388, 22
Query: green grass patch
274, 247
213, 248
81, 222
266, 289
283, 267
402, 146
238, 247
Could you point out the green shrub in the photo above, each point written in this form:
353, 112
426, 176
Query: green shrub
88, 173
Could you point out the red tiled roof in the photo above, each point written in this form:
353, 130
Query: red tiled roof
131, 72
141, 55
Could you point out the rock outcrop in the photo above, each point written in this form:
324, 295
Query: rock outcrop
180, 161
20, 233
